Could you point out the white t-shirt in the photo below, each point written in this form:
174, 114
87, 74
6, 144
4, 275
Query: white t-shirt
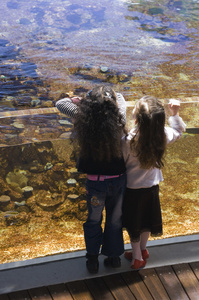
144, 178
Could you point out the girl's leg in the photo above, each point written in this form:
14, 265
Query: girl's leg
137, 260
113, 244
144, 239
137, 254
92, 227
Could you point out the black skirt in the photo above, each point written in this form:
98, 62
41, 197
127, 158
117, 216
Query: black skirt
142, 212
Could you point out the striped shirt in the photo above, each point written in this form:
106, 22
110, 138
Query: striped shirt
67, 107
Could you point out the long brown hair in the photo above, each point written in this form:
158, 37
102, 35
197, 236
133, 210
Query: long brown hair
149, 143
99, 126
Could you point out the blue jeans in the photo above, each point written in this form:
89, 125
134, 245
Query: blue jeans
109, 194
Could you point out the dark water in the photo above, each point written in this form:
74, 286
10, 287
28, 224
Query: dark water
52, 48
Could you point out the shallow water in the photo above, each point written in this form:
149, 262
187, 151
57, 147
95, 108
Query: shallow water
49, 49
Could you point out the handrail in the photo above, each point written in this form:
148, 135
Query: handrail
54, 110
28, 112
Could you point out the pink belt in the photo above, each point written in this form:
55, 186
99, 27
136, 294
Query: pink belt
102, 177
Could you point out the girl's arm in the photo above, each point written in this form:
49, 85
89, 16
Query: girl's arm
177, 126
67, 106
121, 105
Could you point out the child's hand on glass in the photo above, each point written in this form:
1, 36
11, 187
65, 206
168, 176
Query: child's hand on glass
76, 99
174, 106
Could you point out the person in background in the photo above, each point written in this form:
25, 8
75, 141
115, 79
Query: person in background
143, 151
99, 124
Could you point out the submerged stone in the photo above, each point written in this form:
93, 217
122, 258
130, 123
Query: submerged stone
22, 203
24, 21
64, 122
12, 5
48, 201
155, 11
4, 199
27, 191
104, 69
73, 197
82, 205
71, 181
48, 166
35, 102
18, 125
17, 178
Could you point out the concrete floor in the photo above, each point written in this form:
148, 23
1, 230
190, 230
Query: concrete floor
71, 266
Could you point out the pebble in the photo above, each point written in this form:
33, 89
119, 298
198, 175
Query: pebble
35, 102
104, 69
4, 199
18, 125
71, 181
22, 203
27, 191
64, 122
48, 166
73, 197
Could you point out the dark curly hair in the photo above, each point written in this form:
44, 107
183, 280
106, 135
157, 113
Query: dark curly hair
149, 143
98, 126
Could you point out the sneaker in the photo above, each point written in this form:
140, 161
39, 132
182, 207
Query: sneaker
112, 261
92, 263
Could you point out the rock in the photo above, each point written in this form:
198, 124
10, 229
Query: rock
18, 178
72, 181
48, 166
72, 190
22, 203
27, 191
35, 102
23, 209
82, 179
47, 103
104, 69
48, 201
64, 122
82, 205
63, 148
59, 168
4, 200
36, 167
15, 218
155, 11
184, 77
10, 213
18, 125
73, 170
24, 21
72, 197
6, 190
65, 135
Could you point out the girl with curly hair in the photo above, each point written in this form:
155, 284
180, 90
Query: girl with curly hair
99, 124
143, 151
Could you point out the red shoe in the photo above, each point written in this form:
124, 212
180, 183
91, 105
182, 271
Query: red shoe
138, 264
145, 254
128, 255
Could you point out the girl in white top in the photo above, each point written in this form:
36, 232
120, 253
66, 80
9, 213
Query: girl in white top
143, 151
